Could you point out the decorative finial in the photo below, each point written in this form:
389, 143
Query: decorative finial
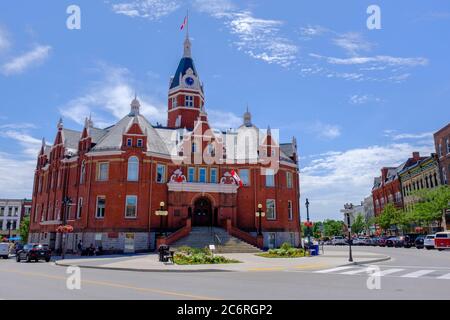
135, 107
60, 124
269, 132
187, 41
247, 118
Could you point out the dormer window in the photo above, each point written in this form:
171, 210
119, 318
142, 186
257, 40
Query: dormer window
189, 101
129, 142
140, 143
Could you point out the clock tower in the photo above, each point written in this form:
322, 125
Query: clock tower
186, 97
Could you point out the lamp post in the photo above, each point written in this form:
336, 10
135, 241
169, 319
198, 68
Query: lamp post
350, 257
8, 226
67, 202
260, 214
161, 213
307, 220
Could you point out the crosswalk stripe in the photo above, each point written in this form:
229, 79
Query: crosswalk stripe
417, 274
334, 269
361, 270
385, 272
445, 276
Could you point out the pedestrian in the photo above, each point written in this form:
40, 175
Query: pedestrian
80, 247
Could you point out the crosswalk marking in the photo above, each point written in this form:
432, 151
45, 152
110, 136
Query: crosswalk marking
385, 272
417, 274
355, 271
335, 269
445, 276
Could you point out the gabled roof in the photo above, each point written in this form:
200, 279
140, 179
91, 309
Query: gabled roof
112, 140
71, 138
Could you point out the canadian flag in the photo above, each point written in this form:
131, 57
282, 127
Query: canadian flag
184, 23
237, 178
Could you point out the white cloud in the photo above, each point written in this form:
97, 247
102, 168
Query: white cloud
223, 120
324, 130
29, 145
16, 176
352, 43
111, 95
259, 38
312, 31
216, 8
407, 136
21, 63
336, 178
357, 99
4, 40
22, 125
149, 9
388, 60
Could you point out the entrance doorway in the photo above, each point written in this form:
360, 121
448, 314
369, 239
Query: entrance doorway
202, 215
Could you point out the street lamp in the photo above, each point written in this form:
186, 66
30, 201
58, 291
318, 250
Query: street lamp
260, 214
67, 202
8, 226
307, 220
161, 213
350, 257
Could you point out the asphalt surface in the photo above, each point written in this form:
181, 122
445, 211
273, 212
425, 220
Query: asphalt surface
410, 274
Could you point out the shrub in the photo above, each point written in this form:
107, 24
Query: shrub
187, 255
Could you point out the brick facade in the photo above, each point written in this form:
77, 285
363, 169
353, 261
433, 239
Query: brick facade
117, 177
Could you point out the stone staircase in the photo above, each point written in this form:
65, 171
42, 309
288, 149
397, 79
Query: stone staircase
201, 237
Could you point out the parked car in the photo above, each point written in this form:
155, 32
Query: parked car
4, 250
357, 241
428, 243
18, 247
419, 242
338, 241
410, 240
399, 242
390, 242
442, 240
34, 251
381, 242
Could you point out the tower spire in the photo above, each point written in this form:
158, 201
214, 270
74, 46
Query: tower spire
187, 41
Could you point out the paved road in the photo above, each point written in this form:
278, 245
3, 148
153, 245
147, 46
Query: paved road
411, 274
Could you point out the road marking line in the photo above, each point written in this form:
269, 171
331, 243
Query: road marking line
334, 269
445, 276
355, 271
112, 284
417, 274
385, 272
312, 266
266, 269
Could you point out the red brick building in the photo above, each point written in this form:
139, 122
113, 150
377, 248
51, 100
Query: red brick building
442, 144
109, 184
387, 188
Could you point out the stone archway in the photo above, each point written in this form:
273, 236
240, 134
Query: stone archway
202, 214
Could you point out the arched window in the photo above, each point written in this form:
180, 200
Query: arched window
133, 169
83, 172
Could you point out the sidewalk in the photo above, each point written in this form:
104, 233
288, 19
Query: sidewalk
249, 263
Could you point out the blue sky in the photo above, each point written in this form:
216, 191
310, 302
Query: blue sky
356, 99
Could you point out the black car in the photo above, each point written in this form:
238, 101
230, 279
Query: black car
390, 242
34, 252
419, 242
410, 240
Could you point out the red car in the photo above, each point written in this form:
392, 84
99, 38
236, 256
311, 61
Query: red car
442, 240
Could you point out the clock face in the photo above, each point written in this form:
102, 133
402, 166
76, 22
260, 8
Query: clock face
189, 81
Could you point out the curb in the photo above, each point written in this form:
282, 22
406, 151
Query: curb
140, 270
356, 263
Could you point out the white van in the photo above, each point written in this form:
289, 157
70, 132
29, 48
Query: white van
4, 250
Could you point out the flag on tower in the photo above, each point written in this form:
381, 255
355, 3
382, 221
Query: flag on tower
237, 178
184, 22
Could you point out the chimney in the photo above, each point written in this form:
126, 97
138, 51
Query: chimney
416, 156
384, 172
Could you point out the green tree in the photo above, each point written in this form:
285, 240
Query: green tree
431, 204
369, 223
333, 228
316, 229
358, 224
24, 228
387, 217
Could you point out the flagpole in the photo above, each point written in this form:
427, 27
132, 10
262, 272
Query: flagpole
187, 23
